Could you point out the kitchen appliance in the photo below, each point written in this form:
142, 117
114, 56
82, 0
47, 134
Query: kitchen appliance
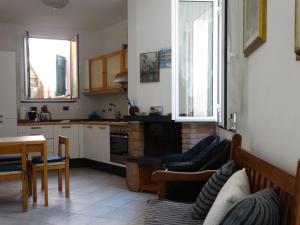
118, 144
32, 115
122, 78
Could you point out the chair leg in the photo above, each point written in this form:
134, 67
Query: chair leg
60, 180
29, 178
42, 181
34, 183
67, 181
24, 192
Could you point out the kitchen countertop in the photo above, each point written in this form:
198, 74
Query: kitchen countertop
71, 122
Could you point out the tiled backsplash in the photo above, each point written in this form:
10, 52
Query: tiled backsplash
81, 108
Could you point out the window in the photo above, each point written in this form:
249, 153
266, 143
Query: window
51, 69
196, 73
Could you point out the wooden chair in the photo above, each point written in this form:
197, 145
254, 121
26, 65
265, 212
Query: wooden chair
15, 171
58, 163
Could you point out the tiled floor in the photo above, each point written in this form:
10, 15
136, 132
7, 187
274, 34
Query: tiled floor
97, 198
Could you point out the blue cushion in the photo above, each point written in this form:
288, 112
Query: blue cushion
51, 159
10, 167
10, 158
194, 151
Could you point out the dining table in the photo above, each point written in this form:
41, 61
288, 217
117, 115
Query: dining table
33, 144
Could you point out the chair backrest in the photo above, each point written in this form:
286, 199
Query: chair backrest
220, 156
13, 149
196, 149
63, 141
263, 174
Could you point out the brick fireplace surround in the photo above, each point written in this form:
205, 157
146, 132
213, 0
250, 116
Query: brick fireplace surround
192, 133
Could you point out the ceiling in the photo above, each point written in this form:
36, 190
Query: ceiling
78, 14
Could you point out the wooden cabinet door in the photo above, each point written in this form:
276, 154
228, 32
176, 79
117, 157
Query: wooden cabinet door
113, 67
97, 73
71, 132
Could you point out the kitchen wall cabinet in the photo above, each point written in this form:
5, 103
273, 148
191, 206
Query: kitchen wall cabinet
114, 65
97, 68
70, 131
103, 70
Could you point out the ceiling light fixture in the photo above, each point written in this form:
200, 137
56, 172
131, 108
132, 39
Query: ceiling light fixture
56, 4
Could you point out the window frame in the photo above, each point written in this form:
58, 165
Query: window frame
217, 46
26, 78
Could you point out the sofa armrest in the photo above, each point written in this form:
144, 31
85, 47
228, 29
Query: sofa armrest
162, 177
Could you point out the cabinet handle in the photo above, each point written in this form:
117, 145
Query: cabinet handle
1, 116
89, 127
66, 127
35, 128
102, 128
1, 121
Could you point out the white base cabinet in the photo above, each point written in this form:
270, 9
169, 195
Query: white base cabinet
45, 130
51, 133
86, 141
70, 131
96, 142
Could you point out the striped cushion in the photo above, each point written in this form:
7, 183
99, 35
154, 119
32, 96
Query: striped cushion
211, 189
261, 208
170, 213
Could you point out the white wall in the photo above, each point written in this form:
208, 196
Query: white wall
92, 43
269, 117
149, 29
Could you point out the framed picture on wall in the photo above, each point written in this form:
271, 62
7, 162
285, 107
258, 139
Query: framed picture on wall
297, 29
149, 67
255, 20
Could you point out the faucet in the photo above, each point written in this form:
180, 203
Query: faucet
114, 107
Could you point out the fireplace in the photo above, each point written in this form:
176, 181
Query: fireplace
149, 140
161, 138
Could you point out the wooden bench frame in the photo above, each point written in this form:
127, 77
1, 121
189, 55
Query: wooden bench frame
261, 175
